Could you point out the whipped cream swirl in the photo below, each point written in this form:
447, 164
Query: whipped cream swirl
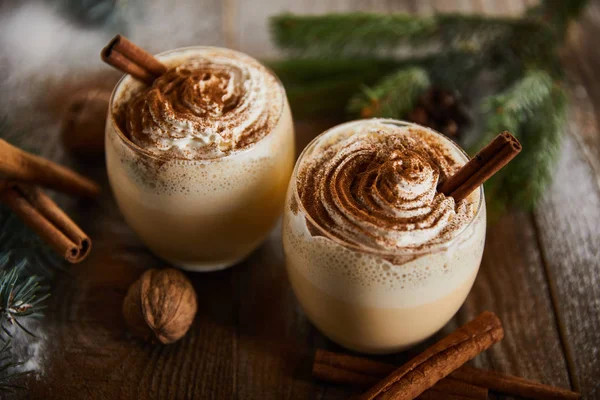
374, 185
209, 106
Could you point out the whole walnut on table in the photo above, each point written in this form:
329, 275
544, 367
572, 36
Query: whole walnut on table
160, 306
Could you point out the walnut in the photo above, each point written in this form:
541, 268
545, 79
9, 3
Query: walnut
160, 306
84, 121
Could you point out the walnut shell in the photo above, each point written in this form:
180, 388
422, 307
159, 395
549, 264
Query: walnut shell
84, 121
160, 306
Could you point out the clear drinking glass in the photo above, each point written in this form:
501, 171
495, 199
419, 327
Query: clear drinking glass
202, 214
372, 301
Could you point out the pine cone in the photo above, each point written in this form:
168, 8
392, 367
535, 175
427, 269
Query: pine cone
441, 110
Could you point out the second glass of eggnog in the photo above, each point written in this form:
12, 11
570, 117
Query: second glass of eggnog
378, 259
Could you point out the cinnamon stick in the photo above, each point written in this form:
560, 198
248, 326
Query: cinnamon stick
138, 55
456, 387
18, 165
439, 360
429, 395
46, 218
126, 66
125, 56
481, 167
513, 385
364, 373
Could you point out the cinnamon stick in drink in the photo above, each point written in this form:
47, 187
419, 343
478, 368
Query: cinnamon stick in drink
138, 55
125, 65
480, 168
125, 56
46, 218
439, 360
18, 165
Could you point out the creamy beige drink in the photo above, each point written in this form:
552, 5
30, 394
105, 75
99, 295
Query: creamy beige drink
378, 259
199, 162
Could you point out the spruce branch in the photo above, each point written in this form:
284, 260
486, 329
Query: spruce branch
322, 87
542, 134
367, 34
393, 97
21, 296
534, 110
323, 98
510, 108
558, 13
353, 33
474, 32
304, 70
9, 369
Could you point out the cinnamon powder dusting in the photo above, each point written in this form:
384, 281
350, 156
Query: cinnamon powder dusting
207, 106
374, 184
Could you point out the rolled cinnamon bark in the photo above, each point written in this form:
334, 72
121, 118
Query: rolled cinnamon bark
125, 65
481, 167
364, 373
439, 360
127, 57
18, 165
138, 55
44, 216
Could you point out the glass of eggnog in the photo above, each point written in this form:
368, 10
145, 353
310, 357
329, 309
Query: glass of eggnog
377, 257
199, 161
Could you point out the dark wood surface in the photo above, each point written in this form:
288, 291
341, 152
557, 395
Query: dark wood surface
540, 272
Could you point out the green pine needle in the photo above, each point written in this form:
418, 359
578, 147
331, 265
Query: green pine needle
322, 87
8, 372
352, 33
517, 103
24, 258
533, 109
376, 35
310, 70
558, 13
393, 97
20, 297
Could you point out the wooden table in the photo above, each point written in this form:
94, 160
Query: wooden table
250, 340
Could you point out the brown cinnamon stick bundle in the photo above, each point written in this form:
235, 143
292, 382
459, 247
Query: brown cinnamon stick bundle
47, 219
131, 59
18, 165
480, 168
439, 360
362, 372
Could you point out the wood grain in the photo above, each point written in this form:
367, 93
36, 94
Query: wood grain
511, 282
569, 233
582, 60
250, 339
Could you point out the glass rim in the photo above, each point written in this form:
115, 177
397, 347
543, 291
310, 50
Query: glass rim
378, 252
165, 158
